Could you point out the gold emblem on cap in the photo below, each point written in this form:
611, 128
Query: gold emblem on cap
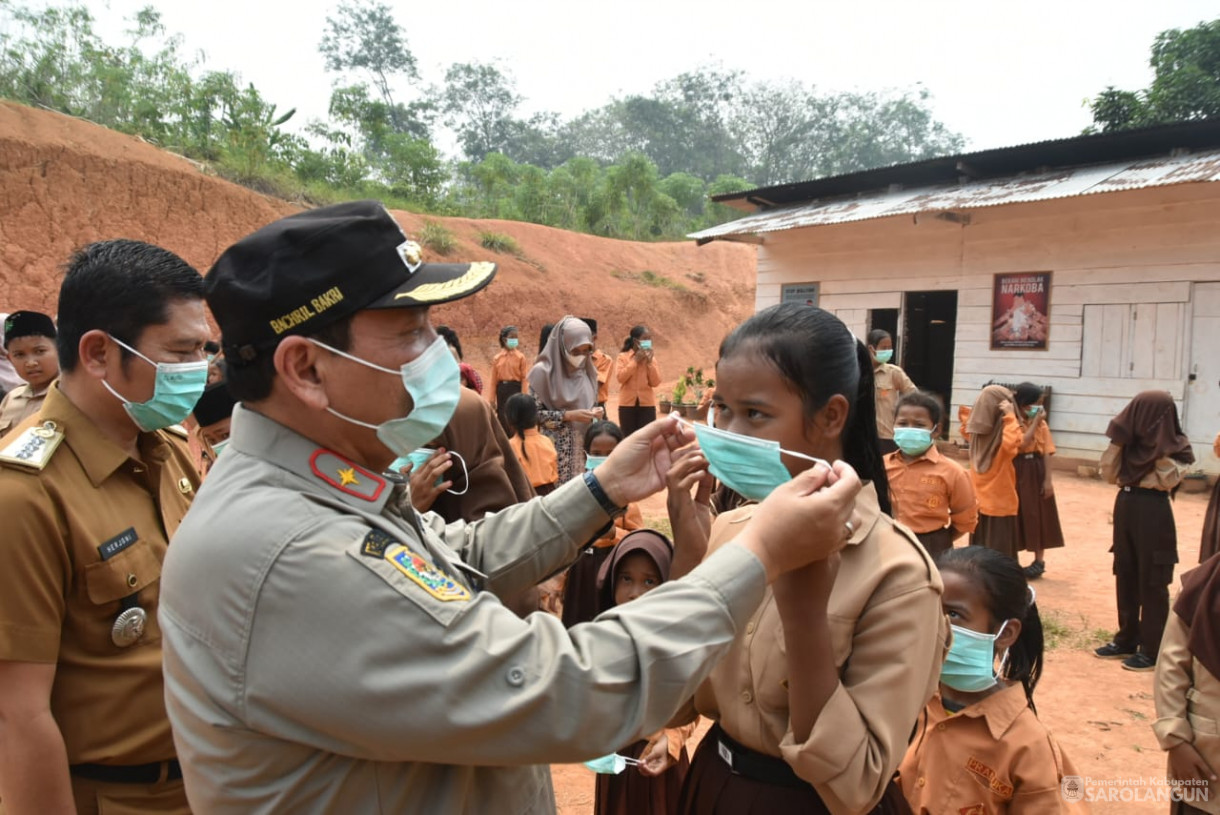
471, 279
128, 627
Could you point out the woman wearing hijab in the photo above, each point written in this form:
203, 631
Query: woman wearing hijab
1147, 457
564, 383
995, 436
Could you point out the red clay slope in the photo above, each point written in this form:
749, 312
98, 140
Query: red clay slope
65, 182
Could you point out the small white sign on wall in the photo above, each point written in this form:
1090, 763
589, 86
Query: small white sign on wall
804, 293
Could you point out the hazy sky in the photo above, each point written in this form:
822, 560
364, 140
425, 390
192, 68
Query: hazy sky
1000, 72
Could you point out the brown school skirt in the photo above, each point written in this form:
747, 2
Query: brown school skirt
936, 541
1038, 517
1211, 526
580, 592
998, 533
712, 788
633, 793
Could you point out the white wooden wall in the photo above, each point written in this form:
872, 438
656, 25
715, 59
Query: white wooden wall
1123, 266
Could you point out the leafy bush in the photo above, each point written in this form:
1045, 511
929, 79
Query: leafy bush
437, 237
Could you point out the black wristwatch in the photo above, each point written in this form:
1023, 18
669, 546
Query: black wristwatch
603, 500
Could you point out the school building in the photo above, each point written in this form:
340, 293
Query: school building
1089, 264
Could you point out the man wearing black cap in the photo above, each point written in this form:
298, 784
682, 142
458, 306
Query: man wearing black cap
92, 486
328, 649
29, 341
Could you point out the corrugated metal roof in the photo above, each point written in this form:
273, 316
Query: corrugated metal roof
1060, 183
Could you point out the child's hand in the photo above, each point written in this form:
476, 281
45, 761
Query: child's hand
690, 518
1185, 764
424, 489
656, 758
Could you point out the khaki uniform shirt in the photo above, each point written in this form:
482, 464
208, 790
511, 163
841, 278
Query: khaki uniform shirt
325, 654
889, 637
891, 382
932, 492
992, 757
18, 405
59, 598
1188, 706
1166, 475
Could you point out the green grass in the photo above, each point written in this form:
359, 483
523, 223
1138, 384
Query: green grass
499, 242
1061, 631
648, 278
661, 524
437, 237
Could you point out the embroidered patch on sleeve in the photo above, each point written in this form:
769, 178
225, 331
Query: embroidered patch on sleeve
428, 577
375, 543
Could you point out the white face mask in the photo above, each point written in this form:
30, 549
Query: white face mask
576, 360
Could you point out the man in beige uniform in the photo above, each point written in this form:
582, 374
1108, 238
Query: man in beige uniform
328, 649
91, 489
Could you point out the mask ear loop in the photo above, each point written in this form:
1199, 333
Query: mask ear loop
1004, 657
465, 472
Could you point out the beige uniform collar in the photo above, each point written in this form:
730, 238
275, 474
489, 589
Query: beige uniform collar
1000, 709
330, 473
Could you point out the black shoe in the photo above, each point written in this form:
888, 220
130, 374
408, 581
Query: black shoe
1139, 662
1112, 650
1035, 570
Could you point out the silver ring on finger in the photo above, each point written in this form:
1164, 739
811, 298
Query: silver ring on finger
848, 528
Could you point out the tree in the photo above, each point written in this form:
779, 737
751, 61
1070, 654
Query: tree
363, 35
1185, 85
479, 101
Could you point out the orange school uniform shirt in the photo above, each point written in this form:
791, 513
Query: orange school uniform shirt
604, 363
507, 366
537, 456
997, 488
932, 492
1041, 443
637, 381
994, 756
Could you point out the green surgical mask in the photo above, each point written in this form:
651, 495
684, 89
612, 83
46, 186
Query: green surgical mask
511, 342
885, 356
178, 387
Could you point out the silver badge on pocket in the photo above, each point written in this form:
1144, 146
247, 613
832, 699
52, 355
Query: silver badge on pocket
129, 627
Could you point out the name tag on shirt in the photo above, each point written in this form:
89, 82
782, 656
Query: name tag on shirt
118, 543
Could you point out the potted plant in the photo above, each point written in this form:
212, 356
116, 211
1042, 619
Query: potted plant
692, 385
679, 393
663, 402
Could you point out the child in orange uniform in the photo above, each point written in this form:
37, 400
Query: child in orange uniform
995, 436
1038, 514
535, 451
639, 563
509, 369
980, 747
932, 494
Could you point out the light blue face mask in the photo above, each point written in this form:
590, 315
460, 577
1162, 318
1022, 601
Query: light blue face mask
885, 356
970, 663
748, 466
434, 382
592, 462
511, 342
1033, 411
178, 387
219, 446
419, 457
612, 764
646, 345
914, 441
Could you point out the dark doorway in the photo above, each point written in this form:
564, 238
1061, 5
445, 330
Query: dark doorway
887, 320
929, 331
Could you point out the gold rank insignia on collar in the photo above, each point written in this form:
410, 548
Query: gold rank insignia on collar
425, 575
346, 476
33, 446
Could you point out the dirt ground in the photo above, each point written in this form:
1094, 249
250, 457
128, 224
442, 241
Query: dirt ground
1101, 714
